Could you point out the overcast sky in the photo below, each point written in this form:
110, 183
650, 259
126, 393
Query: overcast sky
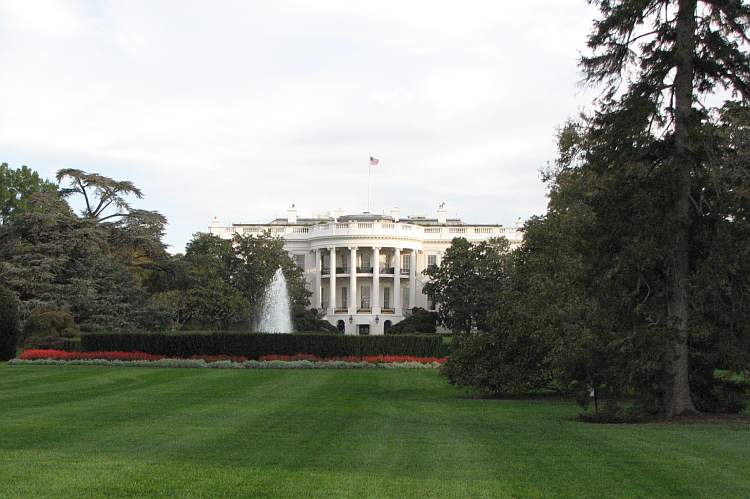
237, 109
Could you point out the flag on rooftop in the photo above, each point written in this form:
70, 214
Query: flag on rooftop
374, 161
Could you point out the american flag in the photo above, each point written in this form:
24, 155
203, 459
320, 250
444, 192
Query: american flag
374, 161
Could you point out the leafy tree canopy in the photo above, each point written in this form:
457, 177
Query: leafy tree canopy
16, 188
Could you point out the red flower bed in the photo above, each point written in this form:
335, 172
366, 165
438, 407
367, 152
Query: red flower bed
32, 354
63, 355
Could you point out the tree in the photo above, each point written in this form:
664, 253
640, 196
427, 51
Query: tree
134, 234
16, 188
9, 324
656, 59
53, 259
257, 259
467, 282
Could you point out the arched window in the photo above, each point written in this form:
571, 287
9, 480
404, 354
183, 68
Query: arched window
387, 326
341, 326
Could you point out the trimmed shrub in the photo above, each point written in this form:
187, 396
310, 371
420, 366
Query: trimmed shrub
256, 345
420, 321
8, 324
49, 328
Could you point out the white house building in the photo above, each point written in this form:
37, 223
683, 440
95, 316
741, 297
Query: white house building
365, 270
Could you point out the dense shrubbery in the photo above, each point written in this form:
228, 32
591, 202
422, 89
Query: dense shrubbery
49, 328
420, 321
310, 320
255, 345
497, 363
8, 324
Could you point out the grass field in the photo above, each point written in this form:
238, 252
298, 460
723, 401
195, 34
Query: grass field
78, 431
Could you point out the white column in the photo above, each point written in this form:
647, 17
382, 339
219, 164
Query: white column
332, 280
413, 279
318, 281
375, 301
397, 282
352, 280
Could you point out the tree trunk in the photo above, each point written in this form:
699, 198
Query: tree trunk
678, 400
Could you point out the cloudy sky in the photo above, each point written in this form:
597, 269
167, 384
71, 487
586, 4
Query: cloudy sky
237, 109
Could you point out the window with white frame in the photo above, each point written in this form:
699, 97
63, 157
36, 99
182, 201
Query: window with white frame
344, 297
431, 261
365, 297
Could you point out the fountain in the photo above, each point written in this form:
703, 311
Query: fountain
275, 316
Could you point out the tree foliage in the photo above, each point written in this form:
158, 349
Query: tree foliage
655, 60
418, 321
16, 188
9, 323
467, 283
53, 258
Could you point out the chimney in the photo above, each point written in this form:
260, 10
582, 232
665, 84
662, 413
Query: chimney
442, 214
395, 214
338, 213
291, 215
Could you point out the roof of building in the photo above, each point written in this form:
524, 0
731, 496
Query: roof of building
369, 217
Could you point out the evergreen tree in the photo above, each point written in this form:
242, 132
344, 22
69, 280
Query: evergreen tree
656, 60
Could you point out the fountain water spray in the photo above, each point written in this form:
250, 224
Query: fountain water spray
275, 314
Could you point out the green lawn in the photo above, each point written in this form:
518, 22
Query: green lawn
79, 431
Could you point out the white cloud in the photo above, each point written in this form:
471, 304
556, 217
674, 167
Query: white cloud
236, 108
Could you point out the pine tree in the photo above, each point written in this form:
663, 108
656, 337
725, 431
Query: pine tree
657, 60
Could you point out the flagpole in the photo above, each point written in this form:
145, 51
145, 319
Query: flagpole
369, 174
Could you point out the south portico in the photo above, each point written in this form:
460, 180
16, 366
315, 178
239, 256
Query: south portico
364, 288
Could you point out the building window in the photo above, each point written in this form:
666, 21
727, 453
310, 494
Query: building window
365, 297
365, 266
405, 298
364, 329
431, 261
344, 297
406, 261
300, 261
386, 297
387, 325
341, 326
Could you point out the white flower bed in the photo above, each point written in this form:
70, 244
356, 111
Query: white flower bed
227, 364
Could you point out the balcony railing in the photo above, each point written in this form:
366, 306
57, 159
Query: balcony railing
405, 270
403, 228
364, 270
342, 270
387, 270
325, 271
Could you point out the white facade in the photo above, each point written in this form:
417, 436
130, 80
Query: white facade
365, 271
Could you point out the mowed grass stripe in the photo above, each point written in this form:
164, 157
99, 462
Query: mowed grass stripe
90, 431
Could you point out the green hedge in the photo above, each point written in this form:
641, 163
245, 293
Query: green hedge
254, 345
